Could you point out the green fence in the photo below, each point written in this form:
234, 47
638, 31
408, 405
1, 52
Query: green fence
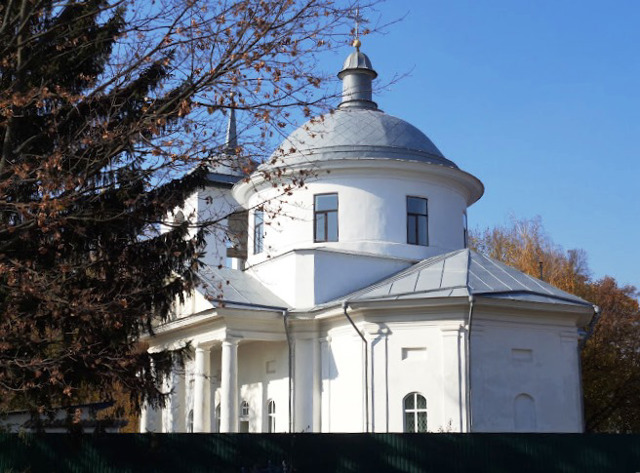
441, 453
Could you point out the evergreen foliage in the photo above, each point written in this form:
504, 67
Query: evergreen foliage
104, 107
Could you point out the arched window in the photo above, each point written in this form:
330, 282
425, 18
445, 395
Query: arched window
415, 413
218, 421
524, 413
244, 417
178, 217
271, 416
190, 422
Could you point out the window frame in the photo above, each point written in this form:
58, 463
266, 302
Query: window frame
271, 416
414, 411
258, 231
190, 421
245, 409
326, 214
412, 216
244, 417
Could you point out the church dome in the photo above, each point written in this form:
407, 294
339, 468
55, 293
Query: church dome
357, 129
359, 133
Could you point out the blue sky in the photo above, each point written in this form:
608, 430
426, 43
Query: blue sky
540, 100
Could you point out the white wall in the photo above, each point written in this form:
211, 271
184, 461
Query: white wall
257, 386
214, 205
372, 216
307, 278
534, 359
427, 358
342, 382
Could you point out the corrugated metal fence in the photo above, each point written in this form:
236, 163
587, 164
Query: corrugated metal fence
335, 453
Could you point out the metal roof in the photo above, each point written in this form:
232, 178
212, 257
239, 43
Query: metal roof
359, 134
232, 286
464, 273
357, 129
357, 60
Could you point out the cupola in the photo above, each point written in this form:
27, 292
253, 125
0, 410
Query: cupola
357, 75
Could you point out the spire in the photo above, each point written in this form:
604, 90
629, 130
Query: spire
231, 141
357, 74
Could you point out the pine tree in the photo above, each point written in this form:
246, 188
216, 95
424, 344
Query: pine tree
102, 109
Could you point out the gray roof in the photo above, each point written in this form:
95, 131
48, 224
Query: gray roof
358, 60
357, 129
234, 287
464, 273
359, 134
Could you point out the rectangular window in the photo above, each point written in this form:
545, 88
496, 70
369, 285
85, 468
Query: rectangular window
465, 230
325, 217
258, 231
417, 221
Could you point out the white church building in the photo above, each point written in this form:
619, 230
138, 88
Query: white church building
354, 304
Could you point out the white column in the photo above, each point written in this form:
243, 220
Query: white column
327, 375
200, 388
169, 407
317, 386
378, 382
229, 386
148, 415
178, 400
303, 385
144, 411
572, 418
454, 384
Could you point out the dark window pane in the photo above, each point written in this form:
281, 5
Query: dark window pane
412, 237
258, 231
422, 422
422, 230
409, 402
422, 402
417, 223
326, 202
417, 205
320, 233
332, 226
409, 422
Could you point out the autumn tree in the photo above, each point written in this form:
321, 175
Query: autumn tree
611, 349
111, 114
611, 359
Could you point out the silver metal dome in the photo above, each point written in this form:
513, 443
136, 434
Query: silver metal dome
358, 129
357, 60
357, 133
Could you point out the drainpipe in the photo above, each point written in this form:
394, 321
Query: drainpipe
594, 320
345, 305
468, 360
285, 320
